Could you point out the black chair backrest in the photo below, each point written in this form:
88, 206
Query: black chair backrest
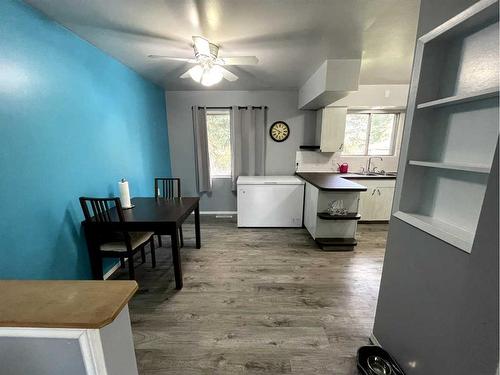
167, 187
99, 209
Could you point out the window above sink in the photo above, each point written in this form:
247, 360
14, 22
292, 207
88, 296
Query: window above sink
370, 133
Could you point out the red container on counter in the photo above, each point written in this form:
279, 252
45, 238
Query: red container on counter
343, 168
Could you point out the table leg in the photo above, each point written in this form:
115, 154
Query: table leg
176, 258
197, 226
95, 259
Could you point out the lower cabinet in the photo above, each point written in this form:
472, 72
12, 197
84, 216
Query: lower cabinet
331, 233
375, 204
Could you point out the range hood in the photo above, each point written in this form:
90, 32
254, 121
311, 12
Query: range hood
333, 80
309, 147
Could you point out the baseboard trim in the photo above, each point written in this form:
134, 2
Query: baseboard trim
218, 212
112, 270
374, 340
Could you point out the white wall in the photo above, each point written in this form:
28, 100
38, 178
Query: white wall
376, 96
280, 157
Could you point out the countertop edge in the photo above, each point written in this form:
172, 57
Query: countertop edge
355, 187
118, 308
355, 176
107, 318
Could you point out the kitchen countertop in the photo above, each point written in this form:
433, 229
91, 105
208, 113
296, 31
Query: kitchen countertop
330, 181
62, 304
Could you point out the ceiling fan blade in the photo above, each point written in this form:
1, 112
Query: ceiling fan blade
191, 61
239, 60
201, 45
196, 73
228, 75
185, 75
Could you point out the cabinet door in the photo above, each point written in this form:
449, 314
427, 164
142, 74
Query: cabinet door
367, 204
382, 203
333, 129
319, 124
375, 203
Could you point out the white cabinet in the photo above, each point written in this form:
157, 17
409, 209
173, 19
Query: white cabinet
67, 327
381, 203
335, 233
330, 128
376, 202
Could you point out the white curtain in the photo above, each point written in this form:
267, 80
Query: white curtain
202, 161
248, 142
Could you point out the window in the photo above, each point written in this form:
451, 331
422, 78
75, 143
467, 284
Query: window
219, 143
370, 133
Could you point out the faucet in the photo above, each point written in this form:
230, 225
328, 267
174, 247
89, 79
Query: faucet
370, 162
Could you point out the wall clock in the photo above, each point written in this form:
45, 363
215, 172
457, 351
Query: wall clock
279, 131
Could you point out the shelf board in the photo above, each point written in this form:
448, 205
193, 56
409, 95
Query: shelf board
481, 13
451, 234
490, 92
476, 168
349, 216
337, 244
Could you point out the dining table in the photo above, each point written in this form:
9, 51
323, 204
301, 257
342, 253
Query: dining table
159, 215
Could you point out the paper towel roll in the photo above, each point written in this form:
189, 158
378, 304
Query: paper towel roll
124, 194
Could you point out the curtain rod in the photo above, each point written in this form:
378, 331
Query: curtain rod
239, 107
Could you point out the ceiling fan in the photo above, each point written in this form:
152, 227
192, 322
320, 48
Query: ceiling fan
209, 68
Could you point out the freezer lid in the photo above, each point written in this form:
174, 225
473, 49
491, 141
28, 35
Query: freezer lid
269, 180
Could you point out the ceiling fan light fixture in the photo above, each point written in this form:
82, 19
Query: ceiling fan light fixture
211, 76
209, 68
196, 73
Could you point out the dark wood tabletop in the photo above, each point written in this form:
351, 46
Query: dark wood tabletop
330, 182
157, 211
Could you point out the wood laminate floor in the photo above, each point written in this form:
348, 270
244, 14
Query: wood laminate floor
257, 301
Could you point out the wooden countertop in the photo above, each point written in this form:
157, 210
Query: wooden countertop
62, 304
330, 181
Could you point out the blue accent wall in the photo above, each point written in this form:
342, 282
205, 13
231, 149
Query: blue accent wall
73, 121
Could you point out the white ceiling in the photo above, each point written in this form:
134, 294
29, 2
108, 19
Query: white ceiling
290, 37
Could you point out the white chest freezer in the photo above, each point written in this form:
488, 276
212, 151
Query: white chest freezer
270, 201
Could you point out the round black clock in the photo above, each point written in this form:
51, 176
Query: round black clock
279, 131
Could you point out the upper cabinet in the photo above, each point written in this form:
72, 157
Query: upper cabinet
330, 128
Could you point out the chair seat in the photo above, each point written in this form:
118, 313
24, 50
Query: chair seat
136, 239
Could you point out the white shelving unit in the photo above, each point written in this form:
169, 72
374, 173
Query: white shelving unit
490, 92
451, 135
476, 168
456, 236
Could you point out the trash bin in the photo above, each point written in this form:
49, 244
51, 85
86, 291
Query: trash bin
373, 360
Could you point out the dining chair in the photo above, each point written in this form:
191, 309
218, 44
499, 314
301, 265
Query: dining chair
169, 188
116, 244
